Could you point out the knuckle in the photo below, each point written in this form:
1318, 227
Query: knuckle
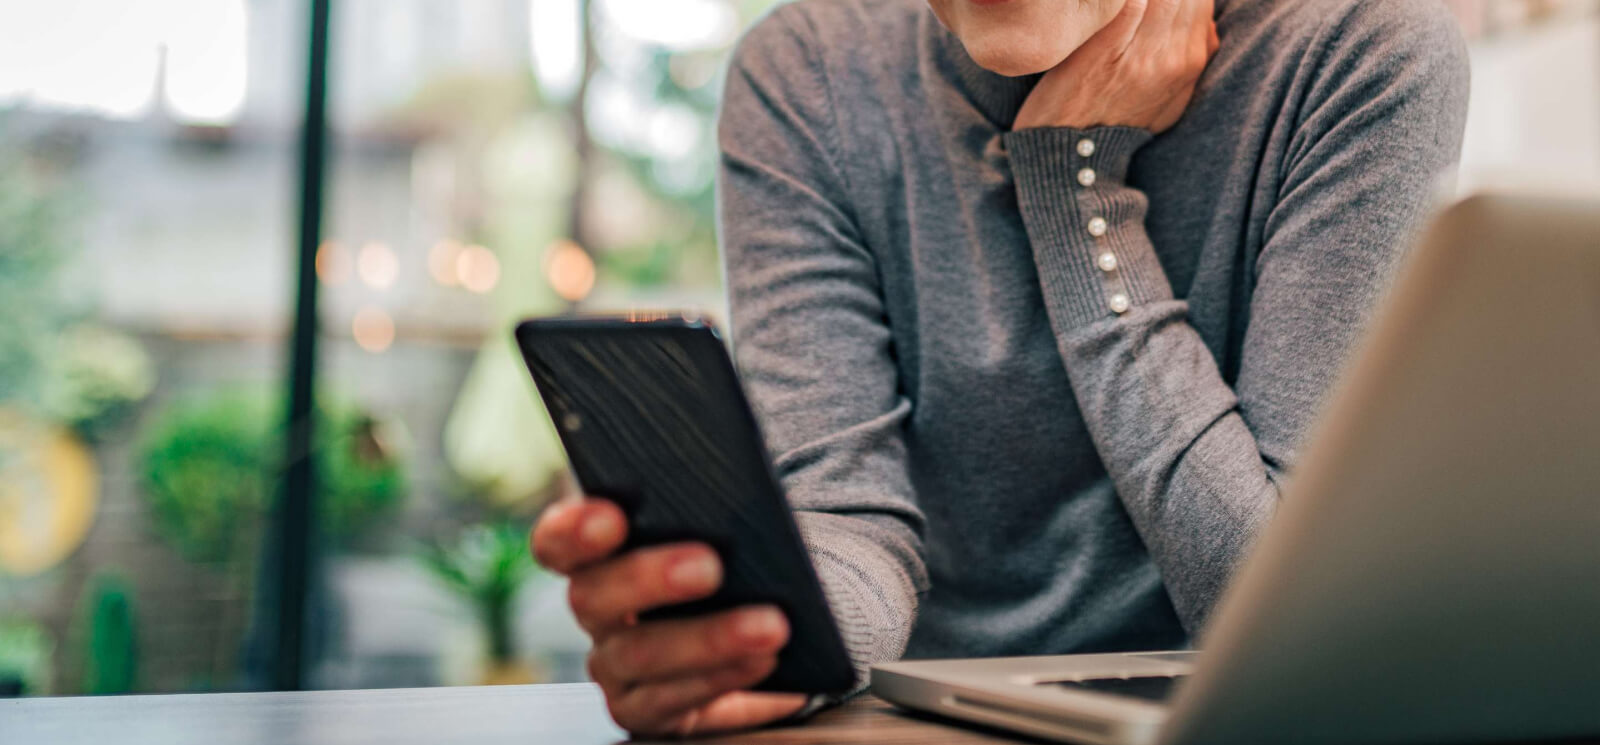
540, 542
763, 668
649, 705
604, 657
748, 672
615, 690
580, 597
631, 653
601, 673
548, 558
717, 636
644, 572
624, 716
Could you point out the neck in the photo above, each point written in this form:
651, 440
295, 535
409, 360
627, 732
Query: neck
996, 96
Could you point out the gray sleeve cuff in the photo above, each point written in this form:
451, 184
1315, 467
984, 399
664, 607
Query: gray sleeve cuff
872, 599
1085, 223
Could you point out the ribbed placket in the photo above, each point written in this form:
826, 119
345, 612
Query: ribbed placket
1086, 225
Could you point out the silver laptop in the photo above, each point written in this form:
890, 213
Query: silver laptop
1433, 572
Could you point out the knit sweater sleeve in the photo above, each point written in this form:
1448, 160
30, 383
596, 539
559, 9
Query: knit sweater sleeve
812, 341
1198, 463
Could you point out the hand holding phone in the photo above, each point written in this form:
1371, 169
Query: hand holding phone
666, 677
689, 571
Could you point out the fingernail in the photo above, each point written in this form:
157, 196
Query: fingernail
695, 573
598, 530
761, 625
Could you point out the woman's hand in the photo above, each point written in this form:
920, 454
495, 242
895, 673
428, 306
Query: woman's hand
673, 677
1139, 71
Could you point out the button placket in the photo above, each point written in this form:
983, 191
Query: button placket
1105, 259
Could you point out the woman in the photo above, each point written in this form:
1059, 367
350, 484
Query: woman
1031, 373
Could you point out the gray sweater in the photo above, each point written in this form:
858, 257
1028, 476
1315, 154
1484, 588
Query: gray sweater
1023, 411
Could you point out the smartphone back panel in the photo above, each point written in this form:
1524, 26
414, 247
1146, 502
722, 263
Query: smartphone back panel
652, 416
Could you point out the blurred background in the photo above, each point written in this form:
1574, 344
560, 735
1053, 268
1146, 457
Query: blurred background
488, 160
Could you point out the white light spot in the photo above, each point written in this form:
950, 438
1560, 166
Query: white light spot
678, 26
207, 42
555, 32
377, 265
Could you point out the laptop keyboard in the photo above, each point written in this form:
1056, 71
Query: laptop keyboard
1150, 688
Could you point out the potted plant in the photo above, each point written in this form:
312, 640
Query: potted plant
210, 470
211, 465
486, 568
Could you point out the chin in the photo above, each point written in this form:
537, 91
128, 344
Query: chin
1022, 37
1014, 57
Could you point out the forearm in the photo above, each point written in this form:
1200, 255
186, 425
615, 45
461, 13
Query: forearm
1164, 422
1168, 428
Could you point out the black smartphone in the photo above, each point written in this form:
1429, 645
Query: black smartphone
652, 416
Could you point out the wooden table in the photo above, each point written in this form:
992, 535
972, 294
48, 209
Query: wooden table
513, 715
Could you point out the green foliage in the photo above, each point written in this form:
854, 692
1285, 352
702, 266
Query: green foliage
75, 374
357, 468
111, 664
97, 375
206, 472
210, 471
25, 651
31, 252
486, 567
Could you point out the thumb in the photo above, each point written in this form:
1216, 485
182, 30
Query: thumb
739, 710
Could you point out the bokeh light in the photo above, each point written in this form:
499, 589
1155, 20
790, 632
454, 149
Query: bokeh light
555, 33
377, 265
373, 329
681, 25
570, 270
207, 66
442, 262
477, 269
333, 263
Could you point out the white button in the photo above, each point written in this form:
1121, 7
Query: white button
1107, 262
1119, 304
1086, 147
1098, 227
1087, 177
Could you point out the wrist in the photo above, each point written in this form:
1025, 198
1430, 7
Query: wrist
1085, 224
1062, 154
